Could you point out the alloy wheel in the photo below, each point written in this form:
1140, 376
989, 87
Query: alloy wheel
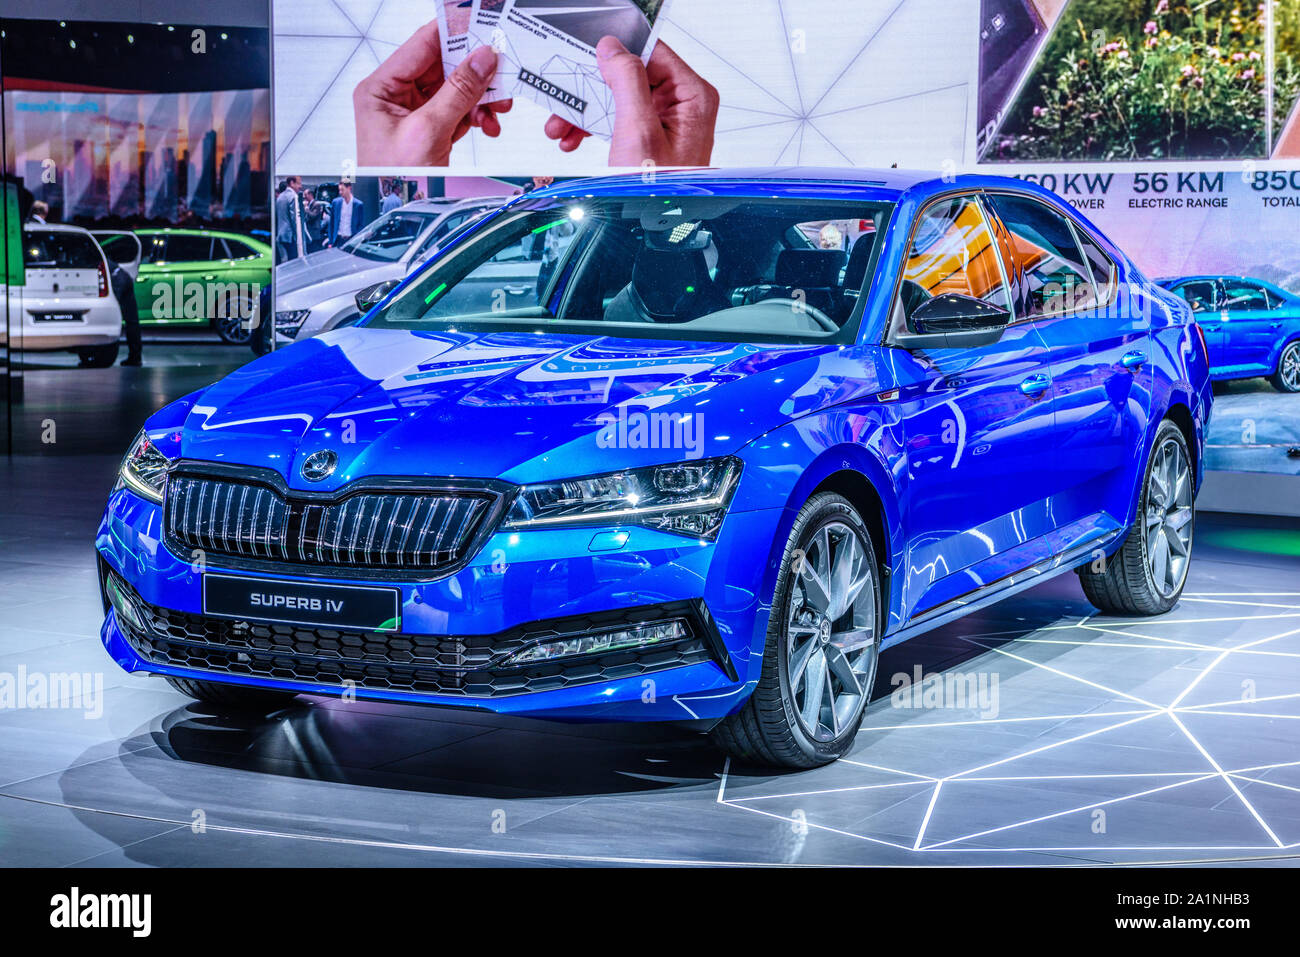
831, 650
1169, 518
234, 327
1289, 367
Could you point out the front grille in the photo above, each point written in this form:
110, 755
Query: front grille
406, 529
468, 666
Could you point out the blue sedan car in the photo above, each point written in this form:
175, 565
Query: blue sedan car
745, 431
1252, 327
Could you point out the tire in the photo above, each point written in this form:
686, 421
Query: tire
235, 329
775, 726
98, 357
1135, 581
1287, 376
233, 697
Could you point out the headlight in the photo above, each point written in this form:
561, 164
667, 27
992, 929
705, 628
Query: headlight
144, 470
689, 498
288, 323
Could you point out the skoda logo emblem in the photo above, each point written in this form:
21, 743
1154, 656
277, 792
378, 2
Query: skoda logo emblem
319, 465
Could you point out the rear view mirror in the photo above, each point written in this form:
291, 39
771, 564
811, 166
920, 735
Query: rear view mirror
952, 320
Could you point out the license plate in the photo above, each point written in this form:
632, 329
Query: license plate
352, 607
56, 316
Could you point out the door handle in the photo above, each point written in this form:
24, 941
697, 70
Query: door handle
1133, 360
1035, 385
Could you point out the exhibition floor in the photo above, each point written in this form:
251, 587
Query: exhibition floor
101, 410
1097, 740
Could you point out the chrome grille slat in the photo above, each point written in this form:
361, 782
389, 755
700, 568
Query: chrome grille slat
374, 528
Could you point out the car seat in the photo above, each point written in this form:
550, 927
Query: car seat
667, 286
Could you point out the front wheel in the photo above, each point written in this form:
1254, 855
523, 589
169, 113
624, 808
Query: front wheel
823, 645
1287, 376
1146, 576
235, 325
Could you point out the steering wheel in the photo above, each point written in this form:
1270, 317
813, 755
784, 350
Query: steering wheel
826, 322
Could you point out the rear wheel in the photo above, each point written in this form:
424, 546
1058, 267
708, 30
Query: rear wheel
235, 326
234, 697
98, 357
1287, 376
1146, 576
823, 642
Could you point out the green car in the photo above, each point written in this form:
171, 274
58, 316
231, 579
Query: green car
194, 276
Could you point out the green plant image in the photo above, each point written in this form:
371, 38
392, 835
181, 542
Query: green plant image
650, 8
1286, 56
1148, 79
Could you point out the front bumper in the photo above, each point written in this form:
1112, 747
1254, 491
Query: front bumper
457, 632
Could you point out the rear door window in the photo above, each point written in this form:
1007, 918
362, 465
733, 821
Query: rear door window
1048, 265
181, 249
1102, 267
56, 249
239, 250
1241, 296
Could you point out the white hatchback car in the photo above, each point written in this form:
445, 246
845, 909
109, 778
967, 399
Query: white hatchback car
67, 302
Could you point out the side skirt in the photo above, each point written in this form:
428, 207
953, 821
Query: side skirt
1012, 584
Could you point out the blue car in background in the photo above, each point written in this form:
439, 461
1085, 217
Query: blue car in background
746, 430
1252, 327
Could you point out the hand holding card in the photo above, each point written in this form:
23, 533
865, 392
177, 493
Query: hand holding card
664, 112
409, 112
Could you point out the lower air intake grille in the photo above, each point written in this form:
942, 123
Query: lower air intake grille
469, 666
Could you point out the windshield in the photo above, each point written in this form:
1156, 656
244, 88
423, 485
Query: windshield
711, 268
388, 237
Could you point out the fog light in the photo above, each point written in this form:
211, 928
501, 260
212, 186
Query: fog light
123, 607
637, 636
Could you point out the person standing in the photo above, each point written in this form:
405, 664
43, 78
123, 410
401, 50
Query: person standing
123, 286
347, 215
290, 234
391, 201
40, 212
315, 221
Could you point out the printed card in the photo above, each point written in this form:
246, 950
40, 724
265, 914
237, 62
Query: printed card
550, 49
453, 28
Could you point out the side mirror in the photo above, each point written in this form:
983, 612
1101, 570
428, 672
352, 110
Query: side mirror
372, 296
953, 320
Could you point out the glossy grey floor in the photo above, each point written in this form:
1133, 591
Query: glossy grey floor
1083, 740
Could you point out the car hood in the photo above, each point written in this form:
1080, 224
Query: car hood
301, 283
522, 407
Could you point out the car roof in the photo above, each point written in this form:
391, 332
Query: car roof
878, 185
184, 231
1167, 280
56, 227
894, 180
443, 205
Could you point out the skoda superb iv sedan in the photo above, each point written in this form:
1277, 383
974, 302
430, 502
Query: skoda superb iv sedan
1252, 327
742, 433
